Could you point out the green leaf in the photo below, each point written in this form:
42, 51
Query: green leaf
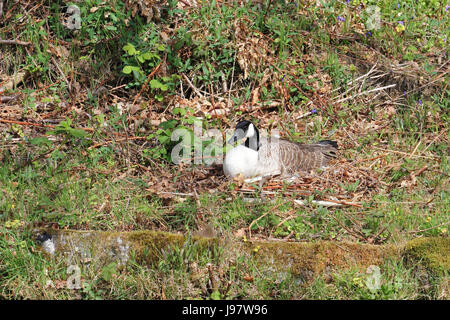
169, 124
138, 75
40, 141
109, 271
112, 28
164, 139
215, 295
147, 55
129, 69
78, 133
155, 84
130, 49
180, 111
140, 58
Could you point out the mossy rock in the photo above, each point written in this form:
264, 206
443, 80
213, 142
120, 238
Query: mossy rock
433, 253
309, 259
149, 245
305, 260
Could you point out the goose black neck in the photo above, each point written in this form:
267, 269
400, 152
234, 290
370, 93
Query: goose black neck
253, 142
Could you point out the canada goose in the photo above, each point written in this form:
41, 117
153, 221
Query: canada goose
260, 156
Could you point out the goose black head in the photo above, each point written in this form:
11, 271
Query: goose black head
246, 129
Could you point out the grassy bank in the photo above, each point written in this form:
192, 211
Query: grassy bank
87, 115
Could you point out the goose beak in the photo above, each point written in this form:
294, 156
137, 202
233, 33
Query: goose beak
233, 139
238, 135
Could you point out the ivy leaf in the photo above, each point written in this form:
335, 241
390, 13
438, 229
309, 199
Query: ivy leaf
140, 58
130, 49
148, 55
180, 111
138, 75
164, 139
129, 69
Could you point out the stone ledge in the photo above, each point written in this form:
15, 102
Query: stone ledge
305, 259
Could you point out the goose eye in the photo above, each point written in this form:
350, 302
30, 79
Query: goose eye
233, 139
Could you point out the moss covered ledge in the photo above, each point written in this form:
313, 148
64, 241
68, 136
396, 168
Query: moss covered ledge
306, 259
432, 253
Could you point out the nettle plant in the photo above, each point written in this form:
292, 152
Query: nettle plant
140, 60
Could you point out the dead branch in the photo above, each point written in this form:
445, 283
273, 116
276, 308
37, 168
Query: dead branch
366, 92
430, 228
197, 91
6, 99
15, 42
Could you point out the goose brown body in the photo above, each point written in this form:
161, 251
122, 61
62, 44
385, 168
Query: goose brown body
290, 158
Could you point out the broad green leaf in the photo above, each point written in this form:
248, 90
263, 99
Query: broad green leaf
130, 49
147, 55
129, 69
155, 84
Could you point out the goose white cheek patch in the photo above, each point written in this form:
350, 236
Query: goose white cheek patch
250, 131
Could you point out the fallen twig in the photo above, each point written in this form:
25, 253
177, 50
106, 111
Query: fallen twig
366, 92
405, 153
5, 99
146, 82
63, 75
192, 86
434, 140
323, 202
370, 159
24, 123
262, 216
15, 42
355, 80
319, 203
118, 140
356, 234
185, 3
430, 228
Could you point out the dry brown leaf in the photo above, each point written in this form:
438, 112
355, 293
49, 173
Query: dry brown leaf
13, 81
255, 95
